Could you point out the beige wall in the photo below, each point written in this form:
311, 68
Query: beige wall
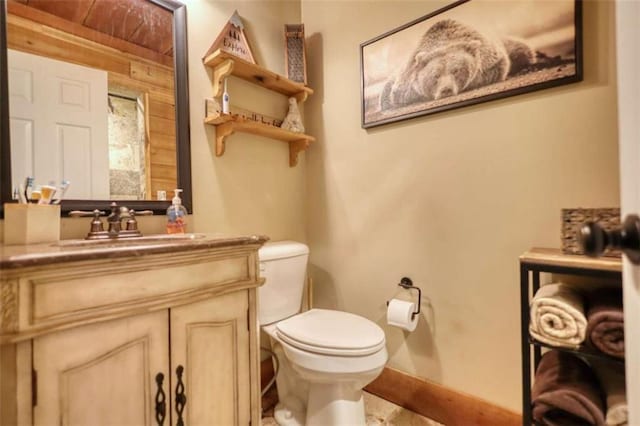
251, 189
451, 199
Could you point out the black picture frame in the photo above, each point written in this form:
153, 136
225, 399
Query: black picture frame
469, 52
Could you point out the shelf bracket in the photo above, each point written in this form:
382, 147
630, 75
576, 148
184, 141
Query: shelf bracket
301, 96
219, 73
222, 131
295, 148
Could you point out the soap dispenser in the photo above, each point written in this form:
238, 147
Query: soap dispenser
176, 215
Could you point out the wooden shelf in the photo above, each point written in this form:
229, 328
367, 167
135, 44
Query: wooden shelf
224, 64
227, 124
555, 257
583, 350
539, 261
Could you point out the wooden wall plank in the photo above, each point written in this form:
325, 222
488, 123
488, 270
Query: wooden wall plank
157, 108
150, 73
162, 126
165, 173
440, 403
163, 141
160, 156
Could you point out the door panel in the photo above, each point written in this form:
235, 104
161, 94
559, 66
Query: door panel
628, 68
74, 145
211, 340
101, 374
60, 110
21, 149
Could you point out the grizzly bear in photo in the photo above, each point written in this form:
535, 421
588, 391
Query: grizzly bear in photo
452, 58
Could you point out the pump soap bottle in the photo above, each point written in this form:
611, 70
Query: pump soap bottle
176, 215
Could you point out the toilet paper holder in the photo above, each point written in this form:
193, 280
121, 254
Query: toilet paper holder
407, 284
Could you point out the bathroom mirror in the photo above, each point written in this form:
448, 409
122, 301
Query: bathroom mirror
139, 49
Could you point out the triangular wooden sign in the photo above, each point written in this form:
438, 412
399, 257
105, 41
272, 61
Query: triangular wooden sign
233, 40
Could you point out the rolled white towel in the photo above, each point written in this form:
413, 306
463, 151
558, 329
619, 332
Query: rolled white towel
617, 413
611, 377
557, 316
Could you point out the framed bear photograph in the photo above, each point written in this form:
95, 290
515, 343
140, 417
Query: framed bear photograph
469, 52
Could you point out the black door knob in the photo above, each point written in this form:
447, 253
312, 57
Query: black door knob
595, 240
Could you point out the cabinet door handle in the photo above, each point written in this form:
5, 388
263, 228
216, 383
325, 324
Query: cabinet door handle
161, 404
595, 240
181, 397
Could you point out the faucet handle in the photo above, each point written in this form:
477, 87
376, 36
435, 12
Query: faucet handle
132, 223
86, 213
96, 223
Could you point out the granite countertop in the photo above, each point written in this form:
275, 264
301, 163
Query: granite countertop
21, 256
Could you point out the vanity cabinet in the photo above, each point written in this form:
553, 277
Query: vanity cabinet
149, 335
101, 371
211, 340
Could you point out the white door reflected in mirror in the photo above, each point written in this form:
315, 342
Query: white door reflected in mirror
77, 127
58, 124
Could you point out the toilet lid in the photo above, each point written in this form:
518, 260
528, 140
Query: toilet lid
332, 333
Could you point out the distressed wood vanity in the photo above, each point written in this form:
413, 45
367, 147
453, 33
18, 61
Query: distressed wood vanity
136, 332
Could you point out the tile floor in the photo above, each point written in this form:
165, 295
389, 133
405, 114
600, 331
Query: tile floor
380, 412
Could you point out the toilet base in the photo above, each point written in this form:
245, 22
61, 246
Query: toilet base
322, 390
286, 417
333, 404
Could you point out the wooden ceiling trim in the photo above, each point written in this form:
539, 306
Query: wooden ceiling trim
71, 10
28, 36
119, 19
18, 9
156, 34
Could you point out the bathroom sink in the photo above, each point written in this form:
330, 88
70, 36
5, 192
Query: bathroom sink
117, 242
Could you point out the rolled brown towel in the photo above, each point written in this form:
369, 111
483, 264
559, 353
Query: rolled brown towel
566, 392
605, 321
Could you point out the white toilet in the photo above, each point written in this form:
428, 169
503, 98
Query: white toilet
325, 357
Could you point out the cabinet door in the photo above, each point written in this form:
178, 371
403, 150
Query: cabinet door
102, 374
210, 339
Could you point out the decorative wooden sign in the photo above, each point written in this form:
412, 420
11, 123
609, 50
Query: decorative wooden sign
295, 53
232, 39
212, 108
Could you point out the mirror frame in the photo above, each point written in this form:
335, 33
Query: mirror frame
183, 142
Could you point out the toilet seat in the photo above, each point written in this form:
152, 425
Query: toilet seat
334, 333
322, 368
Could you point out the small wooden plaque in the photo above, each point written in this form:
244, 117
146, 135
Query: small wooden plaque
232, 39
212, 109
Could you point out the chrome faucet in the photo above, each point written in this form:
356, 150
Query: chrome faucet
114, 220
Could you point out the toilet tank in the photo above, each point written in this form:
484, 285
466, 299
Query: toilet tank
283, 265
